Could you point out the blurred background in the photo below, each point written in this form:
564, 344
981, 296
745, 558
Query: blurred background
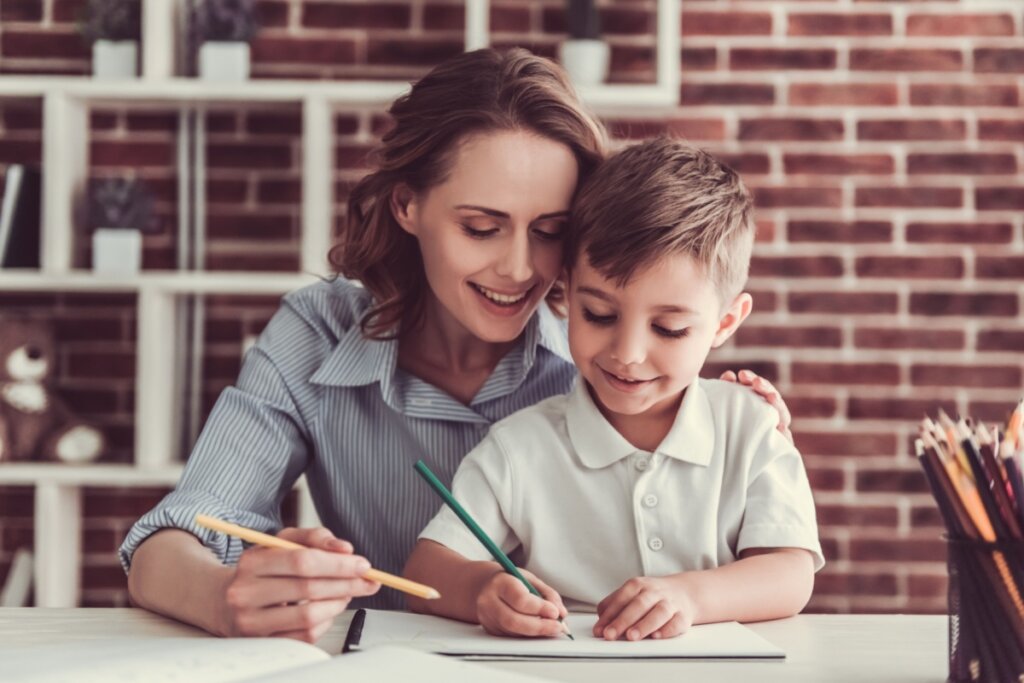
883, 141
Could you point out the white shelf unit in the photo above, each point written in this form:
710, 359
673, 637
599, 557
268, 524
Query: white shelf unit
66, 102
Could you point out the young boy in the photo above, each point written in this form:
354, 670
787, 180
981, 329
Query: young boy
660, 499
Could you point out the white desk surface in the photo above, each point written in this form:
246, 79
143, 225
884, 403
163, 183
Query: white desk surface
819, 648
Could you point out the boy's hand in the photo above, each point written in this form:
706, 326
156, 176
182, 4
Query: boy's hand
765, 390
506, 608
644, 607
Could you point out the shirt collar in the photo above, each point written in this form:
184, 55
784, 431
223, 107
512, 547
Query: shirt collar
598, 444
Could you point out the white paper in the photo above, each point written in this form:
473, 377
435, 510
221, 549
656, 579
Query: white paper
727, 640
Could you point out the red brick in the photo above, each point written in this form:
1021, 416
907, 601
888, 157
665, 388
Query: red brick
841, 444
959, 232
811, 406
346, 125
990, 411
847, 584
98, 300
959, 95
131, 154
960, 24
898, 549
910, 267
732, 23
845, 373
999, 198
826, 479
352, 156
447, 17
997, 129
926, 517
825, 337
838, 164
858, 516
693, 129
796, 266
999, 60
16, 537
277, 261
843, 94
776, 59
790, 129
91, 400
857, 232
21, 10
928, 586
249, 155
68, 11
767, 369
836, 303
249, 225
625, 21
949, 304
273, 123
21, 118
104, 577
726, 93
220, 191
17, 502
891, 481
966, 376
698, 59
409, 51
776, 197
304, 50
908, 338
962, 163
511, 19
20, 151
376, 15
863, 59
999, 268
221, 122
764, 301
746, 164
631, 63
1000, 340
101, 365
912, 130
150, 121
277, 191
860, 408
272, 13
839, 24
909, 197
49, 44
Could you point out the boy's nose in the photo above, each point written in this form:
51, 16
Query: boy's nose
628, 348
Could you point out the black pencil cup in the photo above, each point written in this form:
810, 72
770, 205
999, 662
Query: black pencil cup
986, 611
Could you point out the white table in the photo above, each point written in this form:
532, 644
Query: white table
819, 648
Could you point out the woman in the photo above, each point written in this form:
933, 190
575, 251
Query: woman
457, 240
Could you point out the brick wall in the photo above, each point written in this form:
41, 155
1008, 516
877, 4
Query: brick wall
884, 142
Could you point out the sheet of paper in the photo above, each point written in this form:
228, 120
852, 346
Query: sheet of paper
729, 640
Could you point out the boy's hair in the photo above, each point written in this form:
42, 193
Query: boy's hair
663, 197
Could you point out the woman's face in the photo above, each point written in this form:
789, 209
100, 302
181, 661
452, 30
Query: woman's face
491, 234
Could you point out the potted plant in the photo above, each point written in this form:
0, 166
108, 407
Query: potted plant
113, 28
223, 29
584, 55
120, 210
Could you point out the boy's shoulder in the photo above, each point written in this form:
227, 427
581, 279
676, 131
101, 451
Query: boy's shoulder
539, 422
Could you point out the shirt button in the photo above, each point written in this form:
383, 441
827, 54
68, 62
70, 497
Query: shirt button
655, 544
642, 463
650, 500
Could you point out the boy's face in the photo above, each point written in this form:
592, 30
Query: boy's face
641, 345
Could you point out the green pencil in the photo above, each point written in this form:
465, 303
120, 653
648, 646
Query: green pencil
471, 524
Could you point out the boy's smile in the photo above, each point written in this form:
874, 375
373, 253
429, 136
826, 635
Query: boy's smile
640, 345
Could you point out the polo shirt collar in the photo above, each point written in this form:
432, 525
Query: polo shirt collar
598, 444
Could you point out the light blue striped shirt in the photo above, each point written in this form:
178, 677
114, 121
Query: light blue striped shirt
315, 396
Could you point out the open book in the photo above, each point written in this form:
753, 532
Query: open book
224, 660
373, 628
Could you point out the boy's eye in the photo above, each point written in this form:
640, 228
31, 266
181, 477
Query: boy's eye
597, 319
477, 233
671, 334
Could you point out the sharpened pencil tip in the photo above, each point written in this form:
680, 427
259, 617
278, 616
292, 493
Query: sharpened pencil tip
570, 636
433, 595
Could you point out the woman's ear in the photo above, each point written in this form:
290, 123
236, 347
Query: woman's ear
403, 207
733, 318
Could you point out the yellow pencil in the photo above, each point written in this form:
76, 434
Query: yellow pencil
266, 540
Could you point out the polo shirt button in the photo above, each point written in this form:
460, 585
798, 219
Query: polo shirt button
650, 500
641, 463
655, 544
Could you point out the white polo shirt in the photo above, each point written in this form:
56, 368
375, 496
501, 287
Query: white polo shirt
562, 492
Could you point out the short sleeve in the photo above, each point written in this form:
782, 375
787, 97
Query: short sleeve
482, 485
252, 449
779, 510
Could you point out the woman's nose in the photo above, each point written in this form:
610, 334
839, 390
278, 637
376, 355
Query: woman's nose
517, 264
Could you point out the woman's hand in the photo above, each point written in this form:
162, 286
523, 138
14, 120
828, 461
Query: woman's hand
294, 593
506, 608
769, 393
645, 607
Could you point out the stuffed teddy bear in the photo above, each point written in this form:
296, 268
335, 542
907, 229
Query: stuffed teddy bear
34, 423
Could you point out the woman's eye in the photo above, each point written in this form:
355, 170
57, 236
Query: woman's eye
477, 233
672, 334
598, 319
549, 236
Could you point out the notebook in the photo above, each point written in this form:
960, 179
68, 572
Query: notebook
371, 629
229, 660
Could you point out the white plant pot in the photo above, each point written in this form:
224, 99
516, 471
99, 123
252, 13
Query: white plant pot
114, 60
116, 251
224, 62
586, 61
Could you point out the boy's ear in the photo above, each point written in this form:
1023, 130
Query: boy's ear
404, 207
733, 318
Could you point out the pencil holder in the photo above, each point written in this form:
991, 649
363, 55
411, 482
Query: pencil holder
986, 611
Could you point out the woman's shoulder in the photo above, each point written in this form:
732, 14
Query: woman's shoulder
329, 307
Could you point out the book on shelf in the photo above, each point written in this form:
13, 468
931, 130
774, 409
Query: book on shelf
20, 224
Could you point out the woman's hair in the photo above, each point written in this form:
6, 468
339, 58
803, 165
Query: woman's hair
476, 92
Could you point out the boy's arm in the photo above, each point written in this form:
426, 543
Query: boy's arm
765, 583
457, 579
